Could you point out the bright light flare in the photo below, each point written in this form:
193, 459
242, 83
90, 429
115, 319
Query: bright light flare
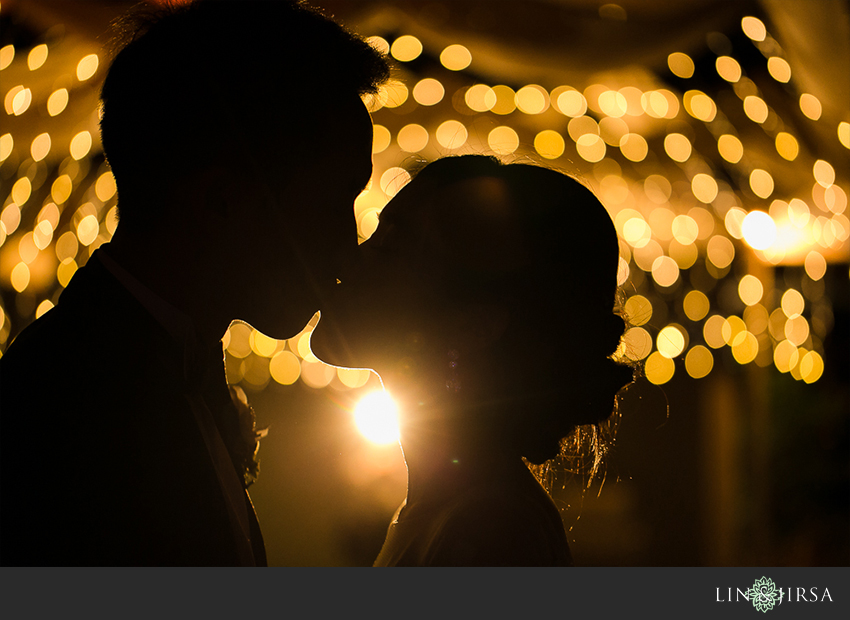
376, 417
759, 230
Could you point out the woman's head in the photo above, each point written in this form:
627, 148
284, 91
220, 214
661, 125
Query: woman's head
490, 289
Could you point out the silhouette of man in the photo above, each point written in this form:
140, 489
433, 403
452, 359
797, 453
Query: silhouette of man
238, 140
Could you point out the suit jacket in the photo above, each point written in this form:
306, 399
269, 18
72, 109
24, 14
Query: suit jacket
102, 457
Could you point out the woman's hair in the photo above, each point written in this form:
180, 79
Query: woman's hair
529, 239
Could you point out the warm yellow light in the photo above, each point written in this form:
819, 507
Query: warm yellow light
844, 134
776, 324
21, 191
380, 44
285, 368
665, 271
549, 144
480, 98
571, 103
105, 187
787, 146
381, 138
815, 265
622, 271
87, 230
824, 173
376, 417
704, 187
87, 67
712, 331
785, 356
733, 330
238, 340
638, 310
591, 148
779, 69
7, 55
43, 307
451, 134
532, 99
680, 65
660, 104
636, 231
730, 148
756, 318
792, 303
754, 28
659, 369
633, 146
27, 249
20, 277
412, 138
503, 140
43, 234
810, 106
657, 188
761, 182
393, 94
700, 106
646, 252
393, 180
755, 108
797, 330
111, 220
456, 57
80, 145
759, 230
699, 362
316, 374
745, 348
696, 305
67, 268
406, 48
37, 57
582, 125
670, 342
677, 147
57, 101
750, 290
353, 377
811, 367
7, 143
684, 255
21, 101
728, 68
428, 92
66, 246
613, 103
613, 130
261, 344
637, 343
734, 220
685, 229
505, 100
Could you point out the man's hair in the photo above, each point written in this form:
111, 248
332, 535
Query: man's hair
199, 83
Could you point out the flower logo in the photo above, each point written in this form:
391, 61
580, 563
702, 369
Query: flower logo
764, 594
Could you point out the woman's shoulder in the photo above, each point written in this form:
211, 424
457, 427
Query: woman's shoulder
501, 525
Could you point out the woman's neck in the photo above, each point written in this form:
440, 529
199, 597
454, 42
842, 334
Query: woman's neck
444, 461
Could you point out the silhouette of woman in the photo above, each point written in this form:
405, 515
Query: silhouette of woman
485, 302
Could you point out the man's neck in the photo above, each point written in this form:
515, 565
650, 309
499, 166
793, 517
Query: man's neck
172, 279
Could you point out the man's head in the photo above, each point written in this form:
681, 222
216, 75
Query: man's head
252, 109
